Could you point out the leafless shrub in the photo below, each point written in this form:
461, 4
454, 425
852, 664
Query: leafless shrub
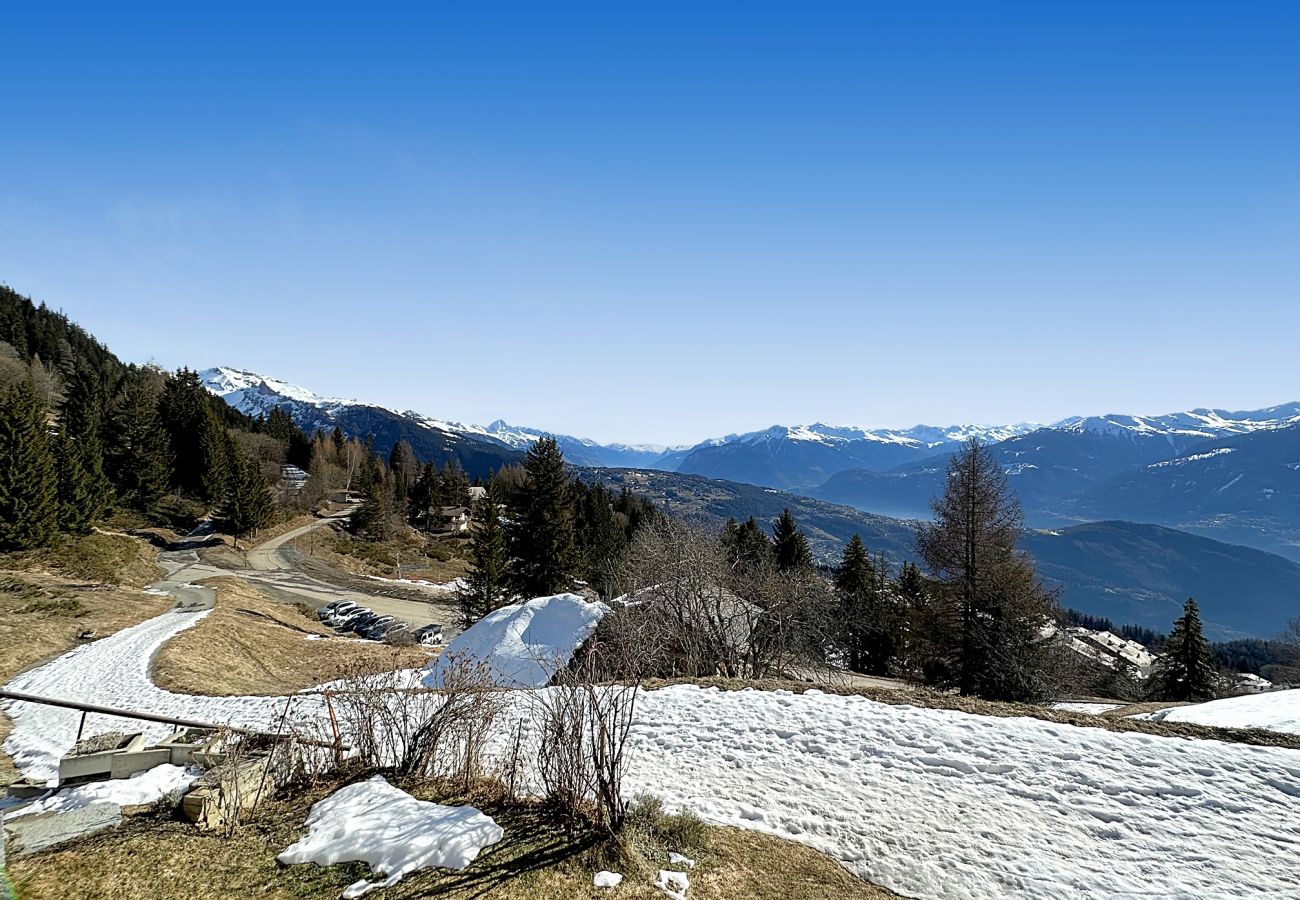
583, 730
452, 738
378, 714
677, 606
690, 610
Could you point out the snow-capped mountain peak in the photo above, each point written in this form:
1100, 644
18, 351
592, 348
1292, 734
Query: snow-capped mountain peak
1194, 423
257, 395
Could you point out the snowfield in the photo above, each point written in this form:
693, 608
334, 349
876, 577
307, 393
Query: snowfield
943, 804
931, 803
1274, 711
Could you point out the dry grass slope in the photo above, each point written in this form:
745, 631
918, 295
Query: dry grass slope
166, 860
251, 644
49, 597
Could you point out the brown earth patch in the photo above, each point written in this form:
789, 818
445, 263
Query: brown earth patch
252, 644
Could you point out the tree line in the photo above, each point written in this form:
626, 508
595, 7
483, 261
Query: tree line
84, 436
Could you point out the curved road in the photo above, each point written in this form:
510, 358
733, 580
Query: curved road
273, 571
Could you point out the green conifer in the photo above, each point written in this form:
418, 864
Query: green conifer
29, 506
1185, 668
249, 504
790, 544
540, 535
486, 585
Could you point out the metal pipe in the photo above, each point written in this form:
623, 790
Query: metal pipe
144, 716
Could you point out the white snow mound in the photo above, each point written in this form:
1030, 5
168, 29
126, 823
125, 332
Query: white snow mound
141, 788
525, 644
1275, 711
378, 824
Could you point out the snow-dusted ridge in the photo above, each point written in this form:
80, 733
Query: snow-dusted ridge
257, 395
1197, 423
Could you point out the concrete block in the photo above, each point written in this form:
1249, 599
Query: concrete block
124, 765
92, 759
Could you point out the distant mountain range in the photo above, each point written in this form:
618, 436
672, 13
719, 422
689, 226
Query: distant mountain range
1128, 572
1230, 475
257, 395
478, 448
803, 457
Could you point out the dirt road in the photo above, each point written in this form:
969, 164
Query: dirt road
273, 568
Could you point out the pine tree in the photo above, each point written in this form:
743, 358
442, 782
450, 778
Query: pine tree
485, 586
854, 583
183, 411
748, 549
970, 547
426, 498
74, 491
455, 484
1185, 668
139, 452
540, 534
219, 456
29, 506
405, 470
600, 536
790, 544
85, 492
373, 519
248, 504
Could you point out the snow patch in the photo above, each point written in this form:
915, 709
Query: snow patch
674, 884
607, 880
1091, 709
140, 789
395, 834
1272, 710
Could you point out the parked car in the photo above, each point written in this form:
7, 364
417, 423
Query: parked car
375, 630
361, 623
397, 630
329, 610
347, 617
429, 635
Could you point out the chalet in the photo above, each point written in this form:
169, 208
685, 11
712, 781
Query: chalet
455, 518
292, 479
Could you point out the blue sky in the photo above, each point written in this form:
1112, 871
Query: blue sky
663, 222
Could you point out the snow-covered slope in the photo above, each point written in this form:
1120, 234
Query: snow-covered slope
1274, 711
1200, 424
524, 644
257, 395
932, 803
